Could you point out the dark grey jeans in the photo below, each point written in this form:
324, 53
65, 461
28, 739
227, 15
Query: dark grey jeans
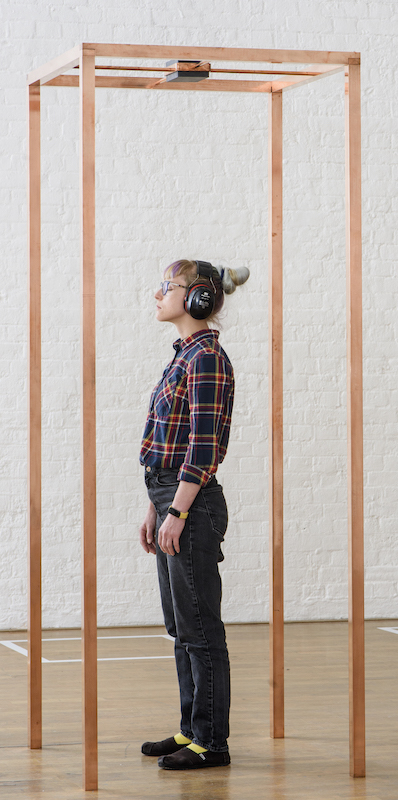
190, 588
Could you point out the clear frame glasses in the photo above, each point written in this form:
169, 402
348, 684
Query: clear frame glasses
166, 284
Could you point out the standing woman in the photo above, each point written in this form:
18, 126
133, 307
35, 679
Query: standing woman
185, 439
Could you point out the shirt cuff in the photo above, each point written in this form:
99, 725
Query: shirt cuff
192, 474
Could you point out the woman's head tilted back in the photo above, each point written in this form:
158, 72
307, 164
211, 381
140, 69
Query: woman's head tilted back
224, 280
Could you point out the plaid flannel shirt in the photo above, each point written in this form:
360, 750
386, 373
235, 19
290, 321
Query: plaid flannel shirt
189, 418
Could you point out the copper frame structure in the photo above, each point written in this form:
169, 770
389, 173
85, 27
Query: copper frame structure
319, 64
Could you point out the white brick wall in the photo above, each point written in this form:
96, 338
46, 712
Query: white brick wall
186, 175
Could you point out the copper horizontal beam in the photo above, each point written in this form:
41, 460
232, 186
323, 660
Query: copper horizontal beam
225, 71
225, 54
297, 80
55, 67
208, 85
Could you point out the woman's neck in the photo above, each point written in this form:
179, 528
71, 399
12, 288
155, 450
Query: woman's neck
189, 326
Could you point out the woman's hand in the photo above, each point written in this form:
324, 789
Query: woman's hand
172, 528
147, 530
169, 534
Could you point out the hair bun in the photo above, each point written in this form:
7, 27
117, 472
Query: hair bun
231, 278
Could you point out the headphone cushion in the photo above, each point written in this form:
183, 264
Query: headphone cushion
199, 300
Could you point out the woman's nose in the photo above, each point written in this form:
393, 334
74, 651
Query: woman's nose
158, 294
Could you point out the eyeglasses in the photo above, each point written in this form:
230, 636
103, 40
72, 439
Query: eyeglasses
166, 284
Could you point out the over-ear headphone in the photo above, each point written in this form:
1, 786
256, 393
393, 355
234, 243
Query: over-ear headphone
200, 297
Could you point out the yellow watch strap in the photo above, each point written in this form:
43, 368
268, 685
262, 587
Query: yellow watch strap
178, 514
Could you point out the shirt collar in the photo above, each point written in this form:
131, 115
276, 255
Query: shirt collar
207, 333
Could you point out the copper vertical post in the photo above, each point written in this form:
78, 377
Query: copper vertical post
276, 418
34, 422
355, 425
89, 599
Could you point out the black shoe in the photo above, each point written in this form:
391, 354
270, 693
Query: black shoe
163, 748
188, 759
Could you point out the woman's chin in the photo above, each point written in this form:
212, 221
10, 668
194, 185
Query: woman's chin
160, 316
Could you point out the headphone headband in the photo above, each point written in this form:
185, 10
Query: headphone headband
205, 269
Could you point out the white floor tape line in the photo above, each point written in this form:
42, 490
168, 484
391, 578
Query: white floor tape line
14, 645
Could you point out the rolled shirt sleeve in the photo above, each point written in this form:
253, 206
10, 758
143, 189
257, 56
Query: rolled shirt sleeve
210, 386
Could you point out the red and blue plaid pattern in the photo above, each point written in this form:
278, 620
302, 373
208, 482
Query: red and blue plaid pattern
189, 416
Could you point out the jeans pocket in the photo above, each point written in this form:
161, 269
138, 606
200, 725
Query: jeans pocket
167, 479
217, 510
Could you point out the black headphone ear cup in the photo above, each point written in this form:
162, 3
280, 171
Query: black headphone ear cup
199, 301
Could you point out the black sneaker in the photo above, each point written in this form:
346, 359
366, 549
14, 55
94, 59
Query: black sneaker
163, 748
188, 759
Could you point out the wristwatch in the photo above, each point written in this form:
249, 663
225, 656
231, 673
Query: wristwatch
179, 514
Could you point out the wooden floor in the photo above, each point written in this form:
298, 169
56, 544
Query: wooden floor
138, 700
